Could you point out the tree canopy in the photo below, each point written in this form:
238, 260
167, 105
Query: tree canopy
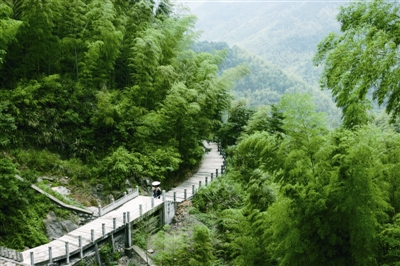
361, 62
105, 92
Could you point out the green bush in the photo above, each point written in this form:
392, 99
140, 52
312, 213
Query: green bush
47, 163
108, 258
219, 195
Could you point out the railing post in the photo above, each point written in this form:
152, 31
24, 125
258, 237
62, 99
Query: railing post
216, 173
80, 246
114, 223
99, 210
206, 181
212, 175
140, 210
137, 189
67, 251
113, 204
50, 256
32, 259
152, 202
128, 217
174, 196
184, 194
113, 243
124, 194
103, 228
163, 195
193, 190
199, 184
124, 218
92, 235
128, 235
222, 169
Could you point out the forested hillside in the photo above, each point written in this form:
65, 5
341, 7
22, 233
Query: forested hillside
285, 33
105, 92
298, 193
266, 83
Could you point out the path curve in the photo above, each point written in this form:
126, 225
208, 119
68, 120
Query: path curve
106, 225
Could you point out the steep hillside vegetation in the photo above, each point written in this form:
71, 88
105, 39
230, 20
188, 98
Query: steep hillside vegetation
104, 92
266, 83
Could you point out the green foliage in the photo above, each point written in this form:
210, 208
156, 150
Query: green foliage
219, 195
144, 229
57, 195
309, 196
10, 188
266, 83
102, 91
7, 124
201, 250
108, 258
45, 162
8, 28
389, 240
362, 59
20, 208
118, 167
172, 247
238, 116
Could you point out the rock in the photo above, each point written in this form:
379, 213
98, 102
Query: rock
99, 194
62, 190
150, 251
56, 229
68, 226
94, 209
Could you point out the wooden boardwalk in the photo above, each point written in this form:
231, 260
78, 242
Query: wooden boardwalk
212, 162
86, 236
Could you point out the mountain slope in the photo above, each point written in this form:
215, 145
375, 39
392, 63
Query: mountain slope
266, 82
284, 33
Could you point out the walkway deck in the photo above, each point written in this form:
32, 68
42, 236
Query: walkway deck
211, 162
85, 236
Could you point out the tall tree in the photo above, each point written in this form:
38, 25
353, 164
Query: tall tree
363, 58
8, 28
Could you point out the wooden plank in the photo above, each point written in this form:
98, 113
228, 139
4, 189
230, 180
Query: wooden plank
67, 206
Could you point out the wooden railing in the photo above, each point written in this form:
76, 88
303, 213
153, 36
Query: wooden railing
11, 254
119, 202
59, 202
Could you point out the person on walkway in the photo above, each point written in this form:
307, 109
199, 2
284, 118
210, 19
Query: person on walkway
158, 192
154, 189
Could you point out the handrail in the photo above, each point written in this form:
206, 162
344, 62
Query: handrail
11, 254
119, 202
76, 243
59, 202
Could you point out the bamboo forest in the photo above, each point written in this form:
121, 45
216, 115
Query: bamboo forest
99, 96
